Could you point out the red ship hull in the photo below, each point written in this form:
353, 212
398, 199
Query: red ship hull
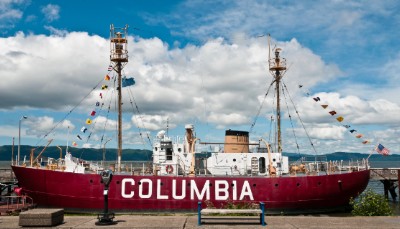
127, 193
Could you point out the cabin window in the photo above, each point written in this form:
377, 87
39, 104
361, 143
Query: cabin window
169, 154
261, 165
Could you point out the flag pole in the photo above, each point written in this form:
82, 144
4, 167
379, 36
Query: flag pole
372, 152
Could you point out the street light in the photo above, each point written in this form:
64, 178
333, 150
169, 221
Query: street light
19, 136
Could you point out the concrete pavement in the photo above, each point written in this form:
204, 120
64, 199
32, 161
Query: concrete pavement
190, 221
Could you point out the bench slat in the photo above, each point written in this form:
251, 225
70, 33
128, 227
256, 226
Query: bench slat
209, 211
230, 211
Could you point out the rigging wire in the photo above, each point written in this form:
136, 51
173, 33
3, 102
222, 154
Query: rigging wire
270, 127
65, 117
291, 121
298, 115
93, 125
275, 125
259, 109
108, 111
133, 102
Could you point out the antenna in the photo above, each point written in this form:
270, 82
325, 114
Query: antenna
167, 125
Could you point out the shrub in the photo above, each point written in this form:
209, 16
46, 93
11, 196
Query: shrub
370, 203
240, 205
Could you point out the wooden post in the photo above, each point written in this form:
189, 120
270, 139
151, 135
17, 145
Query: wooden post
386, 185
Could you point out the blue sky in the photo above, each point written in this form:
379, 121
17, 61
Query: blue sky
202, 62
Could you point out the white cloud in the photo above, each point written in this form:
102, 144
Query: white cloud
101, 123
152, 122
51, 12
325, 132
224, 120
9, 13
217, 18
353, 109
40, 126
43, 66
217, 83
56, 32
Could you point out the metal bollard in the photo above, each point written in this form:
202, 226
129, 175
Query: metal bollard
262, 216
199, 213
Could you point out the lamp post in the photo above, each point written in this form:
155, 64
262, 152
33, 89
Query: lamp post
19, 137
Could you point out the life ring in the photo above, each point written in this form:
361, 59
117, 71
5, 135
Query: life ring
169, 168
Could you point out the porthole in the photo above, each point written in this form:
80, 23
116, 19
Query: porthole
234, 159
254, 185
117, 181
298, 184
139, 183
91, 181
179, 149
155, 148
276, 185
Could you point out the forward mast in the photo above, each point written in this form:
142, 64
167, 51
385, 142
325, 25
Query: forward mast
119, 58
277, 68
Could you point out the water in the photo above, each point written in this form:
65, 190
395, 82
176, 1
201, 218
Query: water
375, 185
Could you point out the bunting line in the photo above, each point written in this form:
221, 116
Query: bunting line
380, 148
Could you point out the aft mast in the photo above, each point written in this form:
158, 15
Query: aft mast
277, 68
119, 58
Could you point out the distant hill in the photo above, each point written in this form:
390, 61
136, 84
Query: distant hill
337, 156
89, 154
146, 155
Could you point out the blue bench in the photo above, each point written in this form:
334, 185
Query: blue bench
208, 211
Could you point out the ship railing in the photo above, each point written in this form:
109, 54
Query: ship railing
336, 166
133, 167
182, 165
176, 139
355, 165
310, 159
325, 167
201, 167
88, 165
15, 202
138, 169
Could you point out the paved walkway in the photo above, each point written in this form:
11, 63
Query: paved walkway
190, 221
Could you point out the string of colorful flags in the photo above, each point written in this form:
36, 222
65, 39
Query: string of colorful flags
126, 82
379, 148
